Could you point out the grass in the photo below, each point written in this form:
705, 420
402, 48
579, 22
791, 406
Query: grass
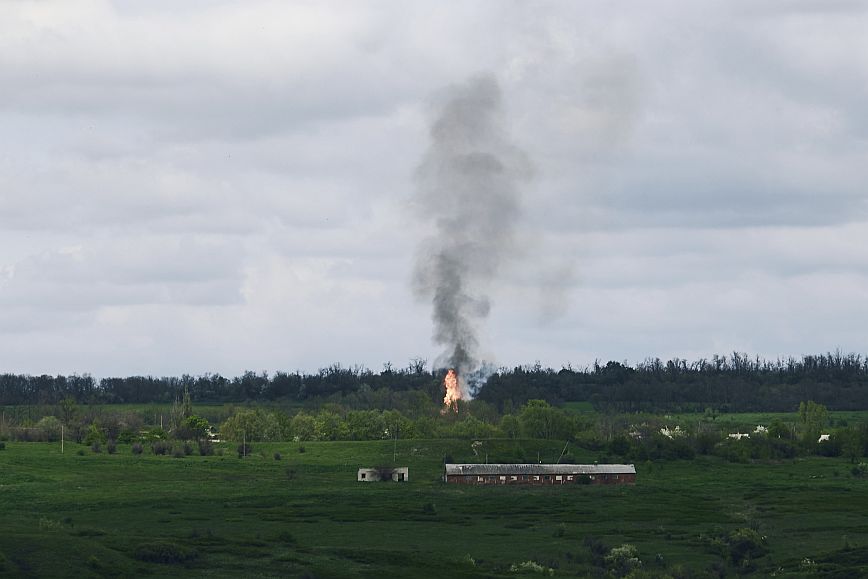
125, 515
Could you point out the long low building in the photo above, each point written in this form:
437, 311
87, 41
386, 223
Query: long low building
539, 474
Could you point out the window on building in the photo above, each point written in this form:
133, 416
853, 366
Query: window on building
479, 479
569, 477
548, 477
502, 478
536, 477
559, 477
364, 475
513, 478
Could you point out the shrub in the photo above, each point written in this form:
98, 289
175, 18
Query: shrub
164, 553
161, 447
531, 567
111, 447
301, 449
137, 448
80, 452
188, 449
2, 446
429, 508
95, 447
623, 559
277, 456
178, 453
597, 548
746, 544
245, 450
206, 448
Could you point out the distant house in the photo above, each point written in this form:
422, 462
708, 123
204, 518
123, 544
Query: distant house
381, 474
824, 438
539, 474
739, 435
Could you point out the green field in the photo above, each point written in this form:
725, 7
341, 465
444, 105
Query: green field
90, 515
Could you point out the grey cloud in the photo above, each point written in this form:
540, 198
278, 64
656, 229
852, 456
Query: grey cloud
246, 170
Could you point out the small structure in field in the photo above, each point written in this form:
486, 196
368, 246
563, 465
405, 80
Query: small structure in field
384, 473
539, 474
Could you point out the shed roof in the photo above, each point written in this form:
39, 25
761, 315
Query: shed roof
534, 469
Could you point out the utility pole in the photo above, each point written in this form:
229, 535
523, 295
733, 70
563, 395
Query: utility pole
61, 439
244, 444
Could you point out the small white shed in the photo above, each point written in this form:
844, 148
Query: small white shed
397, 474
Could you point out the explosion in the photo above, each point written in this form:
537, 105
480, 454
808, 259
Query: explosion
453, 390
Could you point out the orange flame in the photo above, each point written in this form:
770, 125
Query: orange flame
453, 390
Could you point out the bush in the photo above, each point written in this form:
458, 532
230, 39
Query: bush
161, 447
95, 447
111, 447
429, 509
746, 544
2, 446
178, 453
245, 450
137, 448
188, 449
624, 559
94, 434
301, 449
277, 456
80, 452
164, 553
206, 448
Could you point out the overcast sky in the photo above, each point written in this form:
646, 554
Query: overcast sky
221, 186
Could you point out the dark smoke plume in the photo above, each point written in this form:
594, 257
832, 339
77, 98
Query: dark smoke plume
468, 186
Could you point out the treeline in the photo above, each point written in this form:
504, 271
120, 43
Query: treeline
726, 383
21, 389
735, 383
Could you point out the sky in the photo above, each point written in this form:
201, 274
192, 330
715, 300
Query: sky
226, 186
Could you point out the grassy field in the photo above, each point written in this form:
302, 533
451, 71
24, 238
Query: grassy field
96, 515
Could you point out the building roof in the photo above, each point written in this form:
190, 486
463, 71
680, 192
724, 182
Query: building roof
534, 469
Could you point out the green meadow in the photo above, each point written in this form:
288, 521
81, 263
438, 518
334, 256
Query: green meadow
81, 514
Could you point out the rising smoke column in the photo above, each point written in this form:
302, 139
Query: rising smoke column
468, 186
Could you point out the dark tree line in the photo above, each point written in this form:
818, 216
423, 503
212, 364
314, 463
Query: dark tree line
18, 389
725, 383
728, 383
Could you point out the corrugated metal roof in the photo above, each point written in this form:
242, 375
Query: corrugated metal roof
532, 468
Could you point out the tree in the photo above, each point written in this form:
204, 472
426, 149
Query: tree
193, 428
181, 410
303, 426
511, 426
67, 409
540, 420
813, 417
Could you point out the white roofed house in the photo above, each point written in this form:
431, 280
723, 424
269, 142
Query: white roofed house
383, 474
539, 474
